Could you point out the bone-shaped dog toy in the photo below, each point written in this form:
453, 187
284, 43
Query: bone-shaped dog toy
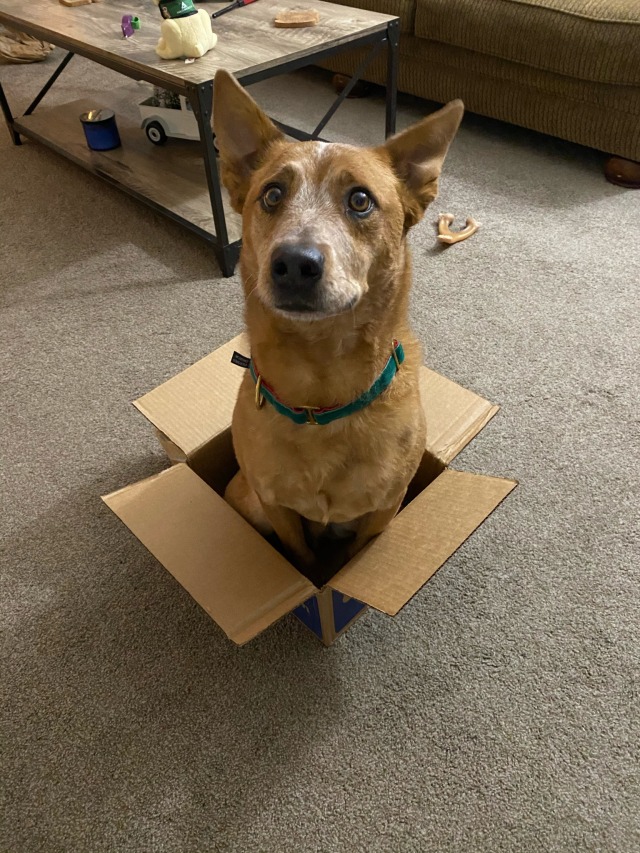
447, 236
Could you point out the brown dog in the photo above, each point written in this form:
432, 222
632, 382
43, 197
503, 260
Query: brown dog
326, 274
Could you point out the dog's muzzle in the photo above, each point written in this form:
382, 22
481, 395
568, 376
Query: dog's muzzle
296, 271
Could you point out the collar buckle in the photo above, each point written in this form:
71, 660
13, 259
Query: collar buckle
259, 396
394, 353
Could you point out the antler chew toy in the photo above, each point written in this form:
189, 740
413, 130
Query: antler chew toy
447, 236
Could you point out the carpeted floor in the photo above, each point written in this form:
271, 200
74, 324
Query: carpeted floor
498, 711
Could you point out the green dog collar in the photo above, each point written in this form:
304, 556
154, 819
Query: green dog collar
177, 8
316, 415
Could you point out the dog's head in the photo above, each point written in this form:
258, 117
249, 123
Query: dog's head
324, 225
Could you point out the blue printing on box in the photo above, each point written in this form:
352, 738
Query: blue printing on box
344, 610
309, 614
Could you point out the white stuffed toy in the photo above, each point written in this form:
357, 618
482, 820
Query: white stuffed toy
185, 31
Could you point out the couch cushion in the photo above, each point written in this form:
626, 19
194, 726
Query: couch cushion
404, 9
596, 40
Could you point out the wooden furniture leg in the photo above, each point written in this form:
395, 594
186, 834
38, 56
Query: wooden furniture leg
623, 173
361, 90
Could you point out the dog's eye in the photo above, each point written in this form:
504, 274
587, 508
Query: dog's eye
272, 196
360, 201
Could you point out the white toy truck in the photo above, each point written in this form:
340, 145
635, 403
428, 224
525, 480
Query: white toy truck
166, 114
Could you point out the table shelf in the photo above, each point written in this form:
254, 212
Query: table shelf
170, 177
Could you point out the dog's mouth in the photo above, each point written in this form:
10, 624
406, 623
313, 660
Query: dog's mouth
296, 308
313, 310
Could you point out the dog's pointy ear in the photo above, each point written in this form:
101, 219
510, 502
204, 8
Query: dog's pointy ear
417, 155
243, 134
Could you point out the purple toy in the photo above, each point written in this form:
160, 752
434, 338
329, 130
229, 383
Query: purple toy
127, 26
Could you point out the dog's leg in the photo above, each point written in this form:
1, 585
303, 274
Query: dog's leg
288, 526
372, 524
285, 523
245, 501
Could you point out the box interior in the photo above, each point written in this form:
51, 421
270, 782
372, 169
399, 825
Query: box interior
216, 464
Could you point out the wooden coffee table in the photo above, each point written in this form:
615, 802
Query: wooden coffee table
181, 179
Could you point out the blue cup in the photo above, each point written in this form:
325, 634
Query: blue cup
100, 129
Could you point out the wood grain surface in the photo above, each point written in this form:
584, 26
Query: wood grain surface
171, 175
248, 41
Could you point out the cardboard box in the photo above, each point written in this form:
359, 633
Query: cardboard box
244, 583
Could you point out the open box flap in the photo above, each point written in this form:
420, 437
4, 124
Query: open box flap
196, 405
389, 571
222, 562
455, 415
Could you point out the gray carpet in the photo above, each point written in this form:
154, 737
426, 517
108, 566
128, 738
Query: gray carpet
498, 711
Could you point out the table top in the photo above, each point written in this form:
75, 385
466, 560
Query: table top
248, 41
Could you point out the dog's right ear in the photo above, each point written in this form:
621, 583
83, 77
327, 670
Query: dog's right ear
243, 134
417, 155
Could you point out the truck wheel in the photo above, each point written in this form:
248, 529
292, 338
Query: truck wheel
155, 133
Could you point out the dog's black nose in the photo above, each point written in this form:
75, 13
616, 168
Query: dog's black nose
296, 267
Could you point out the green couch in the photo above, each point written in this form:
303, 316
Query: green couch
569, 68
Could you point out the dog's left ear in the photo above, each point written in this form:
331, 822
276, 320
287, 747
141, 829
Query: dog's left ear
417, 155
243, 134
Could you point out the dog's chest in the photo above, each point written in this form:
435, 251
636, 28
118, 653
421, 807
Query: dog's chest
333, 473
329, 480
327, 484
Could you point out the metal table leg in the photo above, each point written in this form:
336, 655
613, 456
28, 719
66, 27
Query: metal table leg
357, 74
6, 109
201, 98
8, 117
393, 39
67, 59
